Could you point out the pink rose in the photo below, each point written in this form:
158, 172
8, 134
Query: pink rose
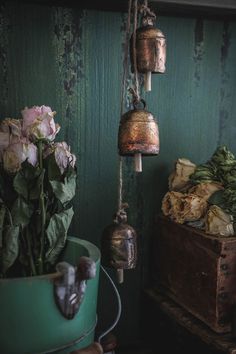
64, 158
30, 114
38, 123
15, 154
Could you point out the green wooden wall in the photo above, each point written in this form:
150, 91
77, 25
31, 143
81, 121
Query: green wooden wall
73, 62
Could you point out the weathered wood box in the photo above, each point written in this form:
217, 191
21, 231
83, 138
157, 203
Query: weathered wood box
198, 271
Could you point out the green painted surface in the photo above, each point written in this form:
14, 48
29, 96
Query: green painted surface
72, 61
31, 320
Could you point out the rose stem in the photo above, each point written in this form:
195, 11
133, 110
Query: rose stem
32, 266
42, 209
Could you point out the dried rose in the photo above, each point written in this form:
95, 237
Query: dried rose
64, 158
170, 203
218, 222
179, 178
205, 190
30, 114
10, 133
39, 124
183, 207
17, 153
13, 127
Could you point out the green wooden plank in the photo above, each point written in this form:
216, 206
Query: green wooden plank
31, 74
3, 60
67, 33
227, 109
100, 92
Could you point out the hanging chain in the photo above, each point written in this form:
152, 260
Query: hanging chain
126, 57
136, 89
146, 11
125, 70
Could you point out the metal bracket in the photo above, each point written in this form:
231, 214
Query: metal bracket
70, 287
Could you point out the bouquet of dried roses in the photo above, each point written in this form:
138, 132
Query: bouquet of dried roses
37, 184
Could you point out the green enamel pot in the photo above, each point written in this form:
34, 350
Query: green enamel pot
30, 320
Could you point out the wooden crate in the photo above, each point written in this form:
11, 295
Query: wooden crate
197, 270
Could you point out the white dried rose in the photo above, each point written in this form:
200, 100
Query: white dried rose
219, 222
205, 190
182, 207
179, 178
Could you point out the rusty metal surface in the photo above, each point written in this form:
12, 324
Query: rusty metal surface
150, 50
138, 133
119, 244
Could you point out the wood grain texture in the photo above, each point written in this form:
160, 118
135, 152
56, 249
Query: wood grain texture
197, 271
189, 325
72, 60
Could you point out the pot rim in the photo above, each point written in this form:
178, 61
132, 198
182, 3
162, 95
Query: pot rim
93, 252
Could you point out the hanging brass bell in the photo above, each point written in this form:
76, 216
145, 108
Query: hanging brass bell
150, 48
119, 244
138, 133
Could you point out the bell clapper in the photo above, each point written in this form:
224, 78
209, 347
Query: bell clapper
120, 276
138, 162
148, 81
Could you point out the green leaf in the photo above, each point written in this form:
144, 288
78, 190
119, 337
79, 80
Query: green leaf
20, 184
28, 180
217, 198
30, 172
21, 212
57, 233
2, 217
11, 247
53, 170
7, 191
65, 191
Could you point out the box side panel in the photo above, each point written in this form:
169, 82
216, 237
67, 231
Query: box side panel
226, 293
188, 271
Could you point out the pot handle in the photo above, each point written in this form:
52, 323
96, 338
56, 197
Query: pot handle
70, 287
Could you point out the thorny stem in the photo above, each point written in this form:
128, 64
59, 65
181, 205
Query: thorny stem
42, 211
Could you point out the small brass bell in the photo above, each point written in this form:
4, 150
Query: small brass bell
138, 135
150, 50
119, 245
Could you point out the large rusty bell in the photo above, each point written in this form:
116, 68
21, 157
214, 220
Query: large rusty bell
138, 135
150, 50
119, 245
